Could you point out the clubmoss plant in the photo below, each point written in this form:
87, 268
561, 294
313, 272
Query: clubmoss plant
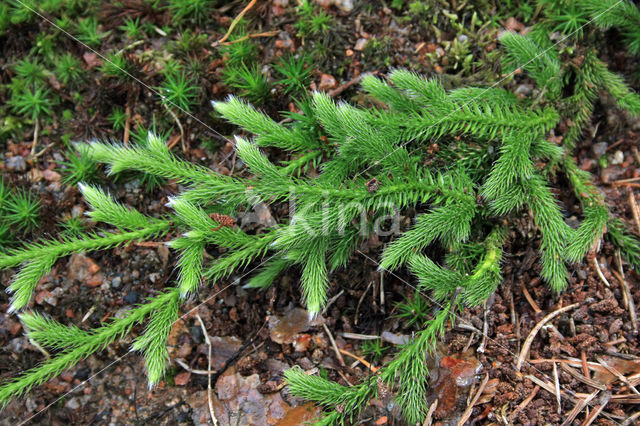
467, 165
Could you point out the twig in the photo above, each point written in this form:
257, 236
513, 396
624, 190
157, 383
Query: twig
175, 118
332, 301
355, 321
600, 274
382, 291
358, 336
582, 378
248, 36
235, 21
636, 154
634, 209
556, 382
485, 327
626, 291
186, 367
214, 420
469, 410
333, 343
127, 125
527, 296
585, 367
578, 408
529, 340
130, 46
432, 409
362, 360
338, 90
619, 375
523, 404
43, 150
623, 181
595, 413
36, 130
635, 416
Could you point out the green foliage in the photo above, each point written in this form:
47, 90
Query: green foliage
296, 73
69, 70
32, 103
89, 31
80, 167
414, 311
118, 118
197, 11
179, 91
623, 15
116, 65
132, 28
31, 71
248, 82
312, 21
22, 210
373, 349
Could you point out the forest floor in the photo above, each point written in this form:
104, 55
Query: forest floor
256, 335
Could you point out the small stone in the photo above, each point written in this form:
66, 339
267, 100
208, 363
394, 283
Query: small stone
72, 404
618, 158
327, 82
182, 378
131, 297
360, 44
523, 90
513, 24
16, 163
599, 149
116, 282
51, 176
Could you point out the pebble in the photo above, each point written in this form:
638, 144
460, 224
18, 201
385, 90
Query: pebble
618, 158
116, 282
599, 148
16, 163
360, 44
327, 82
131, 297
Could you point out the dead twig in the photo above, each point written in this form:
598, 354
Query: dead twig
355, 321
36, 130
485, 327
619, 375
127, 125
626, 292
532, 302
582, 378
600, 274
556, 382
631, 420
175, 118
360, 359
248, 36
332, 301
524, 404
529, 340
43, 150
333, 343
358, 336
469, 410
595, 413
577, 409
214, 420
634, 209
432, 409
235, 22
